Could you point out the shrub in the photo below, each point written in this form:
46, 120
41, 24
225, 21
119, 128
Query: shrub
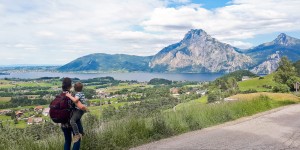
281, 88
250, 91
212, 97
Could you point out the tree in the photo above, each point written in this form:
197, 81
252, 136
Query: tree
281, 88
285, 71
13, 115
214, 96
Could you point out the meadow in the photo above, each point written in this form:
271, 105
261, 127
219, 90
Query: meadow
274, 96
133, 131
259, 84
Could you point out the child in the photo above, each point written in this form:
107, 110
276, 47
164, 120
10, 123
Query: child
77, 113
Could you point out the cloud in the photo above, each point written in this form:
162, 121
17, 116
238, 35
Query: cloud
243, 19
240, 44
78, 27
47, 34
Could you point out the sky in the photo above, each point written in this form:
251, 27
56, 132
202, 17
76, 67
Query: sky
55, 32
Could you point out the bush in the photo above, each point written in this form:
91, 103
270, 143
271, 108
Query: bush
213, 97
250, 91
281, 88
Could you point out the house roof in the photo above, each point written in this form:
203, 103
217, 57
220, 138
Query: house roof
19, 112
39, 107
46, 110
30, 120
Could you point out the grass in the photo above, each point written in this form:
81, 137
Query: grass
274, 96
133, 131
199, 101
97, 110
4, 99
21, 124
29, 84
6, 86
257, 84
125, 86
26, 107
4, 117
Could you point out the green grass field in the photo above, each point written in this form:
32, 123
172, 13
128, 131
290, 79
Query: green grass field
125, 86
97, 110
199, 101
257, 84
4, 117
4, 99
274, 96
29, 84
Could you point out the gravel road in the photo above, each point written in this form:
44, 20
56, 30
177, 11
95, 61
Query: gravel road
272, 130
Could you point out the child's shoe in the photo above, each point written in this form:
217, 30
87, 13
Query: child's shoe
76, 138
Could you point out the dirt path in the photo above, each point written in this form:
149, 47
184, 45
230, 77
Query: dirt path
272, 130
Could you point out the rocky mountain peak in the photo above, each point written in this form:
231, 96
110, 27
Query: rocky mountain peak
195, 34
199, 52
283, 39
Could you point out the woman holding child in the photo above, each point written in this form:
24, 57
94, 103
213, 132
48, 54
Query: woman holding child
74, 127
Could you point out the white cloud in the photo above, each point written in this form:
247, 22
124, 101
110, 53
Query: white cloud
78, 27
80, 38
47, 34
240, 44
242, 19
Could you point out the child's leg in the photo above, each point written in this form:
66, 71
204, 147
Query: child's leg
73, 121
79, 124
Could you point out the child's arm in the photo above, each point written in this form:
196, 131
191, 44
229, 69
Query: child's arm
77, 102
74, 99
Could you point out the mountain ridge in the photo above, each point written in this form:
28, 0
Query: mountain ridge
197, 52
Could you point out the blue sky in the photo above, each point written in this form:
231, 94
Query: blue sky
211, 4
57, 32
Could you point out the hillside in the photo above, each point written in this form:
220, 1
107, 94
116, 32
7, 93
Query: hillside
238, 75
108, 63
260, 84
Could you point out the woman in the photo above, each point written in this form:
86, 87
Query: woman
66, 128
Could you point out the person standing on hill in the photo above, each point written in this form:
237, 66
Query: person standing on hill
77, 113
66, 127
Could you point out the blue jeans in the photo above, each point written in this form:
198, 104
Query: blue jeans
68, 137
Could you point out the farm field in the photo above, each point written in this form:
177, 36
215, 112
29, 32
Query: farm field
4, 99
274, 96
260, 84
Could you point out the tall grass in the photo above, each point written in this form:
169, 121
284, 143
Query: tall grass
133, 131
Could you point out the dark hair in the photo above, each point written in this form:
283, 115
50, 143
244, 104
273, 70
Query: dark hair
66, 84
78, 87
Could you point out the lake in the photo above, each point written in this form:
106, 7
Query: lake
141, 77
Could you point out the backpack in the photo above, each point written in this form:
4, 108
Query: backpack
61, 109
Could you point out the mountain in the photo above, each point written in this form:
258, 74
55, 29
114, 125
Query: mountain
199, 52
269, 65
108, 63
267, 55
